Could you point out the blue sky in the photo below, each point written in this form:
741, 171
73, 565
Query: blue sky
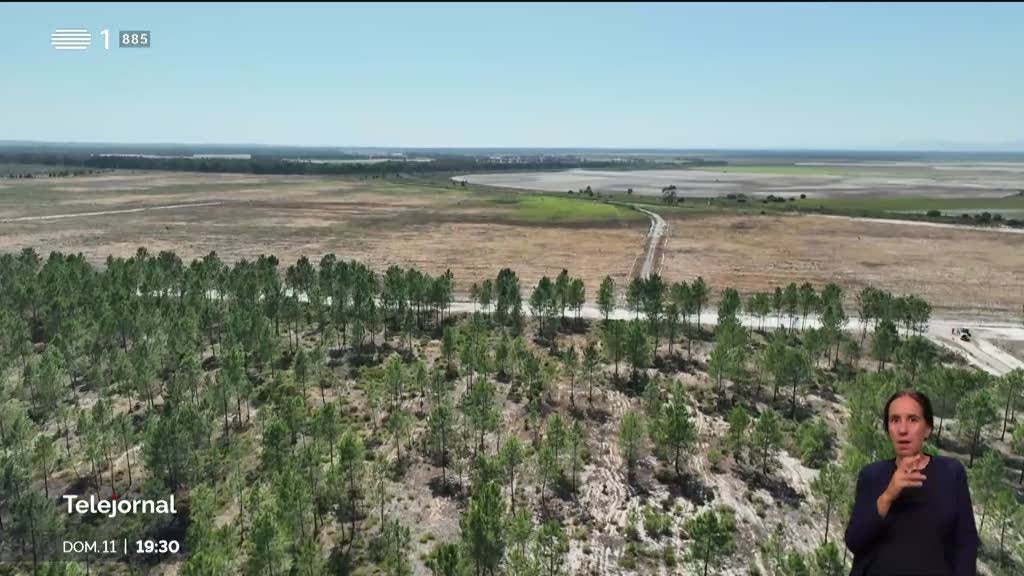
601, 75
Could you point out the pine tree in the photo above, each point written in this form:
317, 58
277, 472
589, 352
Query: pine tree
552, 546
483, 530
766, 438
974, 412
712, 535
829, 485
673, 431
513, 455
631, 436
739, 422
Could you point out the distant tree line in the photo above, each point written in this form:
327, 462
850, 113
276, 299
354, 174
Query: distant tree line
267, 164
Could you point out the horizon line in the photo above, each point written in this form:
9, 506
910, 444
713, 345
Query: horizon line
1011, 147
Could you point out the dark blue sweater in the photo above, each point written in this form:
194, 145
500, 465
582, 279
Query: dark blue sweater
928, 531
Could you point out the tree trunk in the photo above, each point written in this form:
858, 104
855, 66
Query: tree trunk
35, 555
444, 459
352, 507
1006, 414
512, 489
707, 556
828, 518
574, 460
1002, 534
128, 459
226, 409
974, 442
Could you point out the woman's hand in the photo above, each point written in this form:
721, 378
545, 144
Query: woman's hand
907, 475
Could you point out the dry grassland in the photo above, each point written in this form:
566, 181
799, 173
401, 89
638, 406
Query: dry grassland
379, 223
962, 270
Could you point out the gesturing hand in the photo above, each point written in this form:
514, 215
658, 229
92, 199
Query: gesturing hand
907, 474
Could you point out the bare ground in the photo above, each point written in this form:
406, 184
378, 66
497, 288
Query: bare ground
381, 223
961, 270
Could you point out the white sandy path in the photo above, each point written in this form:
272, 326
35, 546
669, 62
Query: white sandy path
980, 352
108, 212
1002, 229
654, 235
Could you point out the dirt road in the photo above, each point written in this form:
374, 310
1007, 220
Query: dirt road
1003, 229
655, 241
980, 352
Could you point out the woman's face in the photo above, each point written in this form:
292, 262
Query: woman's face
907, 426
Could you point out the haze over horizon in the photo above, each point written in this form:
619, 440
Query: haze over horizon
1013, 148
643, 76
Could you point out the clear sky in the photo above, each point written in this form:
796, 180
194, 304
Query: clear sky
600, 75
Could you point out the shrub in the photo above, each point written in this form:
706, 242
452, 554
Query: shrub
669, 555
656, 525
715, 457
632, 534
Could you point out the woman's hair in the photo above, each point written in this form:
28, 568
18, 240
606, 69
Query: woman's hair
919, 397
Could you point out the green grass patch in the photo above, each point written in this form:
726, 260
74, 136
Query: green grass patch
555, 210
975, 211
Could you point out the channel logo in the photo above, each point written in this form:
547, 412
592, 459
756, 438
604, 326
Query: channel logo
70, 39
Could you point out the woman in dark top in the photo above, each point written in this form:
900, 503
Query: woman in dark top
913, 514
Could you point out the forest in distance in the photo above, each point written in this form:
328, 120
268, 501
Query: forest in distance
308, 415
